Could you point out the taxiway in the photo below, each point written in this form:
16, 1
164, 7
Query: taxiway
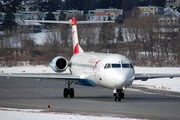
138, 103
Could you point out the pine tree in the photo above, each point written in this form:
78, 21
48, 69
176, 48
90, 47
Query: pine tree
9, 20
128, 5
144, 2
74, 4
159, 3
13, 5
106, 35
52, 5
104, 4
117, 4
50, 16
62, 16
10, 7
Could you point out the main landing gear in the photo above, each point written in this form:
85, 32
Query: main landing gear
69, 91
118, 94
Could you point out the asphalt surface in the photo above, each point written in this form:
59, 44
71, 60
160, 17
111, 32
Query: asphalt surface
139, 102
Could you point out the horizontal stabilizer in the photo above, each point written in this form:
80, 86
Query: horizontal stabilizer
69, 22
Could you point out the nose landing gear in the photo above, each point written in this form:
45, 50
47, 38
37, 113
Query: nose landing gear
118, 94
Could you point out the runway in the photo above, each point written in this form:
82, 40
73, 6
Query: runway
138, 103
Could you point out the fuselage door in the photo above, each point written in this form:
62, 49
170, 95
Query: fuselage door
97, 72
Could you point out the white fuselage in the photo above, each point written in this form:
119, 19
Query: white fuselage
108, 70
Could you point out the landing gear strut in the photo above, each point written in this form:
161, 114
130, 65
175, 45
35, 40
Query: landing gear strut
118, 94
69, 91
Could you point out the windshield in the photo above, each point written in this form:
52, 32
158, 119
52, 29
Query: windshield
107, 66
114, 65
125, 66
118, 65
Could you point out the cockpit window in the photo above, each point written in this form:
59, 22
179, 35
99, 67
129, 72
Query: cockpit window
125, 65
116, 65
107, 66
131, 66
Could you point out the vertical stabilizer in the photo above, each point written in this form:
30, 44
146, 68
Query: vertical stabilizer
76, 46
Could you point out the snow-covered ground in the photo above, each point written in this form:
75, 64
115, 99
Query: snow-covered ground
18, 114
161, 83
40, 37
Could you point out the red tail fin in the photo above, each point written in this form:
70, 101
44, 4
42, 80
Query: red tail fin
76, 46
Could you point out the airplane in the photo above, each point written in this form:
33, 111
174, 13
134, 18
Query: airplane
112, 71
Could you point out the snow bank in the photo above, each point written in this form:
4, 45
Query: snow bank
20, 114
161, 83
40, 38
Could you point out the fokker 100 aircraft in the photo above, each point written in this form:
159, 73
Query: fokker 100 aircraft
113, 71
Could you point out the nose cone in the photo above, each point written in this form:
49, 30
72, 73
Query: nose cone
122, 78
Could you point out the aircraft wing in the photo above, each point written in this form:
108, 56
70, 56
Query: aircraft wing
42, 76
145, 77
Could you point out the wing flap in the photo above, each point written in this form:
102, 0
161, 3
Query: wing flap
145, 77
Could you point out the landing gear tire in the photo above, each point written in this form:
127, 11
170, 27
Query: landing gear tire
66, 92
71, 93
117, 97
122, 95
118, 94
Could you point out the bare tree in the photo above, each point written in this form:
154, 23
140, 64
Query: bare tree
106, 36
88, 36
53, 44
64, 31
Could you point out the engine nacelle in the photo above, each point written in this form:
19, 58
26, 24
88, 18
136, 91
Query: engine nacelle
59, 64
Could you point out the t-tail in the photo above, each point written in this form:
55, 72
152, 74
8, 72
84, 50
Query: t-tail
73, 22
76, 47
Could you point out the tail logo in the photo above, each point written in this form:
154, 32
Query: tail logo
76, 48
73, 32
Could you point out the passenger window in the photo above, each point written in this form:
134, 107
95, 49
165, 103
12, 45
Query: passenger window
107, 66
